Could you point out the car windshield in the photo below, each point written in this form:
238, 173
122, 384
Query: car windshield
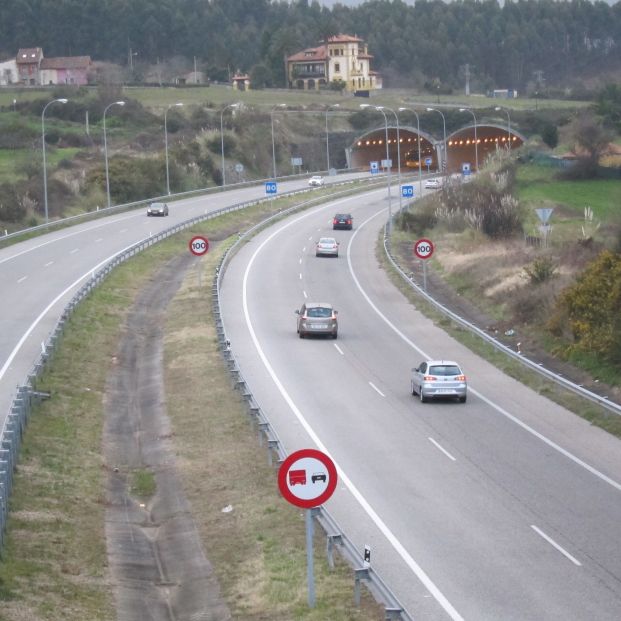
319, 311
327, 240
444, 370
157, 205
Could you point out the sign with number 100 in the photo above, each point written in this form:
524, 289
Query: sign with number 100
423, 248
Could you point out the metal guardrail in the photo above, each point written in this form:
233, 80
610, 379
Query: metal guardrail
28, 397
335, 537
106, 211
531, 364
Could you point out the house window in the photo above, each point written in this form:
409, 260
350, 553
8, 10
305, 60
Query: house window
337, 67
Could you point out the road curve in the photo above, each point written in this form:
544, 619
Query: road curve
39, 276
506, 507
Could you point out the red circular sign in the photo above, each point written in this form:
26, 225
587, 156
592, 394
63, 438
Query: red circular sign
199, 245
307, 478
423, 248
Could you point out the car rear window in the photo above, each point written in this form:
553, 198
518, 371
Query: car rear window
319, 312
445, 370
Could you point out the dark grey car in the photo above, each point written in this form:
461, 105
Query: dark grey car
317, 318
157, 209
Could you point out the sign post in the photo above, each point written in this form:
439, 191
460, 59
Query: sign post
199, 246
423, 249
307, 479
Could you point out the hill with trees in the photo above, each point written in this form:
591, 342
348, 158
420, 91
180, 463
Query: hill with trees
528, 45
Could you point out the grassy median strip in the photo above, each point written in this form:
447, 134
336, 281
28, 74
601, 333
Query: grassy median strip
54, 565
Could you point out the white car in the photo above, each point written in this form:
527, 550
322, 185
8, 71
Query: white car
433, 184
434, 379
327, 247
315, 181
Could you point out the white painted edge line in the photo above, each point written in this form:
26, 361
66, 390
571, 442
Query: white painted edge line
44, 312
553, 543
338, 349
376, 389
377, 520
442, 449
61, 237
493, 405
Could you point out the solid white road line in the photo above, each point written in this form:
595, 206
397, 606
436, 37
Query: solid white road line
493, 405
377, 520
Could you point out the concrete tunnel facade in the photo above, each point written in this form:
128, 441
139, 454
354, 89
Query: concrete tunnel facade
460, 146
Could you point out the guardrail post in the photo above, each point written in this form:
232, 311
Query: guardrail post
359, 576
331, 540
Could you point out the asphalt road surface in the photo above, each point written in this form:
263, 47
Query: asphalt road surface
507, 507
39, 276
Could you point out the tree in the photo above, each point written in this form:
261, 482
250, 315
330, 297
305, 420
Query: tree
590, 141
260, 77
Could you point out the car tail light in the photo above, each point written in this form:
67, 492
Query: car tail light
348, 221
430, 378
335, 221
460, 378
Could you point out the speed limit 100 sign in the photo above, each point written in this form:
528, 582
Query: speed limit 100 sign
423, 248
199, 245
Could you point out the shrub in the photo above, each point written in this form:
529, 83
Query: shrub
540, 270
589, 311
416, 222
11, 210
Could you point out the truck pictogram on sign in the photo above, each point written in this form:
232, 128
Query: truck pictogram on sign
297, 476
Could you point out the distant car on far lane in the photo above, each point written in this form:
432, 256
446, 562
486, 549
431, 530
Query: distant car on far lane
315, 181
157, 209
433, 184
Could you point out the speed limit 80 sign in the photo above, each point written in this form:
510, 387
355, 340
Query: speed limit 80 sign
199, 245
423, 248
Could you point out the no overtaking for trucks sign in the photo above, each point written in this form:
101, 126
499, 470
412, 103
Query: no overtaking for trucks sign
307, 478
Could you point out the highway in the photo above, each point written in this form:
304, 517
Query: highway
39, 276
504, 508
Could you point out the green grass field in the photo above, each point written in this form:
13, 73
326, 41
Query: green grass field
539, 185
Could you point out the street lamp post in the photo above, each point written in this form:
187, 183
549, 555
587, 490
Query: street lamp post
328, 136
498, 109
381, 109
273, 143
233, 105
444, 151
175, 105
420, 172
476, 141
398, 153
63, 101
114, 103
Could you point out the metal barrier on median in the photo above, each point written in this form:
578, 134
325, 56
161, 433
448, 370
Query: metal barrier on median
335, 537
27, 396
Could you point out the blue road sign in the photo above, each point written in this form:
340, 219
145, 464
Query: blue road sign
465, 169
428, 161
271, 187
407, 191
374, 167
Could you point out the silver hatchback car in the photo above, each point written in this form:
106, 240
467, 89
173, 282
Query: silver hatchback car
439, 378
317, 318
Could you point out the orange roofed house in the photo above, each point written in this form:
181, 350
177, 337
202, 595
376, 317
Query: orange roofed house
342, 57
